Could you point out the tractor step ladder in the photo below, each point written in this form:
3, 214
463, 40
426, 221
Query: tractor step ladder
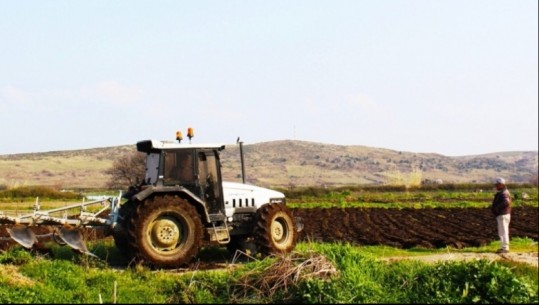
219, 233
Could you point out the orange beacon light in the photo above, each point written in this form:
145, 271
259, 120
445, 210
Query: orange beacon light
179, 136
190, 133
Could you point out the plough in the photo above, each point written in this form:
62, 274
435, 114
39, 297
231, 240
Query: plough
66, 227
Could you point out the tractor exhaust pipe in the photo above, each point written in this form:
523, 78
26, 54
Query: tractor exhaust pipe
242, 161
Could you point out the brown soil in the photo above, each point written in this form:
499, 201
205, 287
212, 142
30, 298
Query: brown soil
406, 228
427, 228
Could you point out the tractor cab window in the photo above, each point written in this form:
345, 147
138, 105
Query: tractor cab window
178, 167
152, 169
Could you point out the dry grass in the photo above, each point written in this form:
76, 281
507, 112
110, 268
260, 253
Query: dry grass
287, 270
10, 274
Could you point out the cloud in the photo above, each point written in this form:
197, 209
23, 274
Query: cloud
14, 98
115, 92
12, 94
311, 107
100, 93
366, 104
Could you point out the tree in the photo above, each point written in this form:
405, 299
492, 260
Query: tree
129, 169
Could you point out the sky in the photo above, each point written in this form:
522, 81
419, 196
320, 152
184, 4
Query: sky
452, 77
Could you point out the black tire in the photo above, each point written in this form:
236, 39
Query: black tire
165, 231
120, 233
275, 229
242, 243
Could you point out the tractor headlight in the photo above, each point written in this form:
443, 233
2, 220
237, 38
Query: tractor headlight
278, 200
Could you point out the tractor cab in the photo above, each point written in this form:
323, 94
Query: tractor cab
194, 167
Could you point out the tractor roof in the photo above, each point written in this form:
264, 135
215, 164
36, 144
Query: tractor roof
148, 146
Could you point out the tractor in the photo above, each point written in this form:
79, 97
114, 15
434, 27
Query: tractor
180, 206
183, 204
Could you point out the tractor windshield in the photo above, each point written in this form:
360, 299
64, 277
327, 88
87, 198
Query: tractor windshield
178, 167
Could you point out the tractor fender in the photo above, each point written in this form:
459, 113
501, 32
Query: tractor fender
197, 202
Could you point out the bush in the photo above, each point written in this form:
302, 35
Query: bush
37, 191
16, 256
480, 281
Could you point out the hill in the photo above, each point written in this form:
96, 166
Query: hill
283, 164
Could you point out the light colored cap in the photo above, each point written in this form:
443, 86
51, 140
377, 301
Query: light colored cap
500, 181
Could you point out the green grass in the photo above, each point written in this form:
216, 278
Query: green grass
358, 276
412, 199
63, 276
518, 244
401, 205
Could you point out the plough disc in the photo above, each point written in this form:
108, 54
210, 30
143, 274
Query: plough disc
23, 235
73, 238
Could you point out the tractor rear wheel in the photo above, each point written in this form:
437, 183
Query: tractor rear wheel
275, 231
165, 231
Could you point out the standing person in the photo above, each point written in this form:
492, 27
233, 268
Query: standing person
501, 208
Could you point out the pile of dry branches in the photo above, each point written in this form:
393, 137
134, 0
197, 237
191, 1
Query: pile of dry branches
285, 272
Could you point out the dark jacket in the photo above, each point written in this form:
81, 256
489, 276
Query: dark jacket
501, 204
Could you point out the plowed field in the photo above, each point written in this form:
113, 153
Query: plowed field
406, 228
402, 228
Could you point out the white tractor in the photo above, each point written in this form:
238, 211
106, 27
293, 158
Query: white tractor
182, 205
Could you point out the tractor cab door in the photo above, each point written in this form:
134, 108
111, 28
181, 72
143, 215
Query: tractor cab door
209, 179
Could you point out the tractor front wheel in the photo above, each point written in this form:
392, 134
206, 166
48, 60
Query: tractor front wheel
275, 231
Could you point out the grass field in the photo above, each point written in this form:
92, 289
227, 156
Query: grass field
315, 272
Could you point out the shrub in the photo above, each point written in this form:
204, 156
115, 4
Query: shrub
480, 281
37, 191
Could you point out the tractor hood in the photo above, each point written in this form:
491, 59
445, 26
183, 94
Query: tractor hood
233, 190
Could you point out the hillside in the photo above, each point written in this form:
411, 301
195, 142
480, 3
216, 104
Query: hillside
283, 163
